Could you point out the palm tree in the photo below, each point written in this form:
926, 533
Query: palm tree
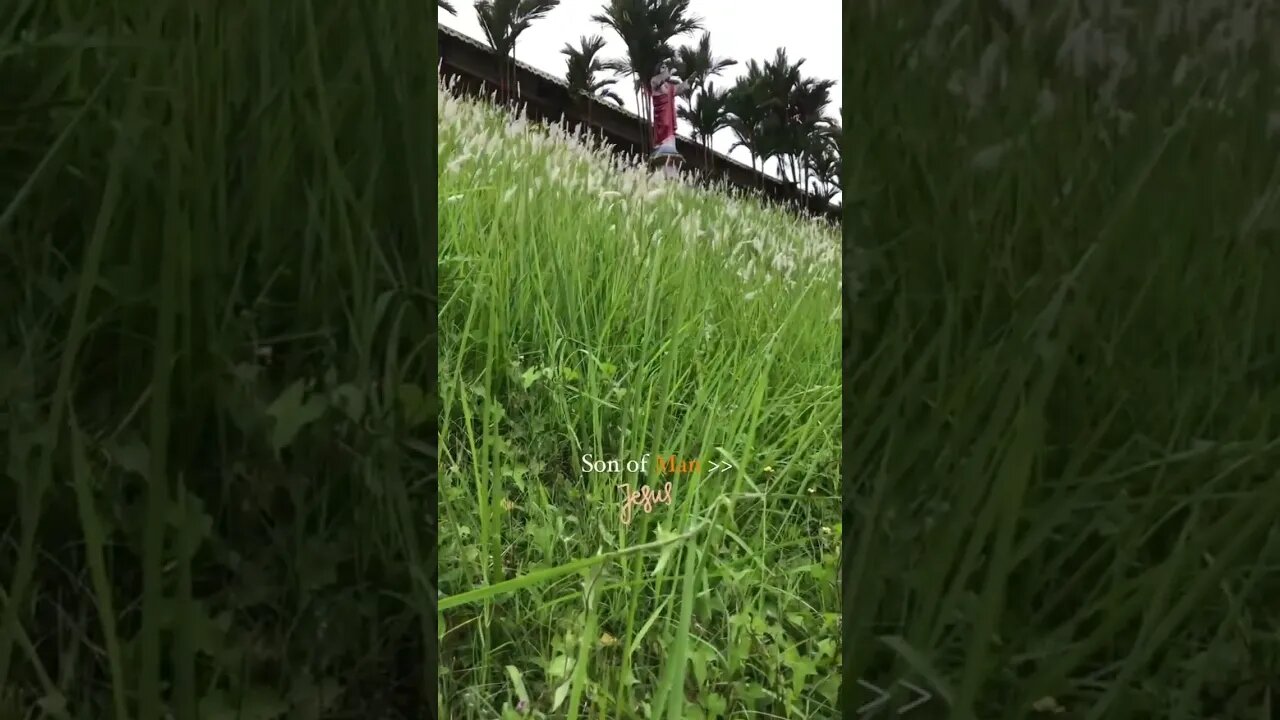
502, 22
496, 18
707, 115
778, 83
826, 143
446, 6
777, 114
581, 65
831, 130
646, 28
697, 65
824, 163
793, 107
746, 111
805, 110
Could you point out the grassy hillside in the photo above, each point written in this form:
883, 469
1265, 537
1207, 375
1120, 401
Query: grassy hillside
588, 307
1064, 433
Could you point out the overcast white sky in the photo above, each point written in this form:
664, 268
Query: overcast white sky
740, 29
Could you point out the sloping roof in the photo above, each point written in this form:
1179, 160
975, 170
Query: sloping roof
721, 157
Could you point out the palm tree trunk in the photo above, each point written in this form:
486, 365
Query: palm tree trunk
639, 111
646, 132
515, 91
795, 178
808, 175
502, 84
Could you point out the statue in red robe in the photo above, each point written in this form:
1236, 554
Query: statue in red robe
663, 89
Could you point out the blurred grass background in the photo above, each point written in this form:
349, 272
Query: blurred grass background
216, 359
1062, 421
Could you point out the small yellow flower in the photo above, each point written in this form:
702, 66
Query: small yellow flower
508, 505
768, 468
1048, 705
607, 640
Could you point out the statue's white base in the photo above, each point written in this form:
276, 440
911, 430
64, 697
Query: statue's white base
669, 165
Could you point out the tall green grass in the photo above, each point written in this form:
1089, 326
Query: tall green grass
1063, 428
215, 270
589, 307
